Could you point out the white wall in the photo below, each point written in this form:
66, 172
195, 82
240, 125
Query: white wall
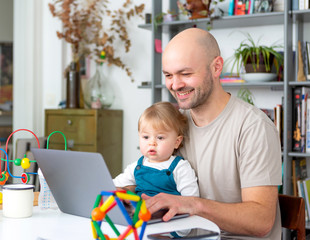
40, 58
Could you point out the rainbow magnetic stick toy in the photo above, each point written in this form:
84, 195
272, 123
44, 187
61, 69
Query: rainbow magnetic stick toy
100, 212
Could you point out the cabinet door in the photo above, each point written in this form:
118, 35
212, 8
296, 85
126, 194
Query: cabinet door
80, 131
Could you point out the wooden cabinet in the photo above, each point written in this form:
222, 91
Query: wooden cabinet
88, 130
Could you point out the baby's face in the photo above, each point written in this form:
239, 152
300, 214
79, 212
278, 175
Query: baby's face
158, 145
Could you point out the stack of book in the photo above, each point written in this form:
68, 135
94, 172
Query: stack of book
303, 72
244, 7
301, 183
300, 4
227, 78
301, 119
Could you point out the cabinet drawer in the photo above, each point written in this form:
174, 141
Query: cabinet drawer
80, 129
75, 147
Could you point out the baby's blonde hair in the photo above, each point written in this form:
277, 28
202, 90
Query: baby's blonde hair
164, 116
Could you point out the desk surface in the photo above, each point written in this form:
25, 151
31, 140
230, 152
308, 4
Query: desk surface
53, 224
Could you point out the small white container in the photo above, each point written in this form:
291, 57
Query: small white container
46, 198
17, 200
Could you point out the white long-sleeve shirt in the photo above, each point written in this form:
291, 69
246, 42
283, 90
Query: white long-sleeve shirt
183, 175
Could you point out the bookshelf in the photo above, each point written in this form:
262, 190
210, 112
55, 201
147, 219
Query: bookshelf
293, 30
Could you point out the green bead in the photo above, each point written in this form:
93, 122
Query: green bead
17, 161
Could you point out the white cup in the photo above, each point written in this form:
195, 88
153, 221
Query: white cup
17, 200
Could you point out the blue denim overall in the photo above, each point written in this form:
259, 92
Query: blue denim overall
152, 181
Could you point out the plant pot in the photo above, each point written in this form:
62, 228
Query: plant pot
252, 67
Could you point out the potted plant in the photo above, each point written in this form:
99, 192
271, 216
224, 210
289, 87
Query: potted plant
246, 95
84, 29
89, 36
257, 58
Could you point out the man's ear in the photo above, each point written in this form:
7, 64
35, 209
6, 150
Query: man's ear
217, 66
178, 141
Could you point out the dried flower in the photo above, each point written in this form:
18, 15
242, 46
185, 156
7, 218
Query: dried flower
83, 28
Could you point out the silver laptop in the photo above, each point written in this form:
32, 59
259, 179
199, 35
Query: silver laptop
76, 178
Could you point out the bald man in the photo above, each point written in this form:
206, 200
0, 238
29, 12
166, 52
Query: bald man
233, 146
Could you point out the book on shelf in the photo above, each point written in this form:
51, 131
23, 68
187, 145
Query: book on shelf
303, 67
231, 7
278, 5
278, 119
305, 59
299, 175
307, 53
296, 120
305, 94
245, 7
299, 172
306, 185
308, 127
301, 119
231, 78
300, 71
294, 179
302, 194
295, 4
300, 4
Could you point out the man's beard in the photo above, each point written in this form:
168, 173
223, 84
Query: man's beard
201, 96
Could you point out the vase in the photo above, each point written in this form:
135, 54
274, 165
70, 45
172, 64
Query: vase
73, 87
98, 92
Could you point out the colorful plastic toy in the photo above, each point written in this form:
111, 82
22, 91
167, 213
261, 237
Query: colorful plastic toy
25, 163
100, 212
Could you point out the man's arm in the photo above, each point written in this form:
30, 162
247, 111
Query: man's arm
254, 216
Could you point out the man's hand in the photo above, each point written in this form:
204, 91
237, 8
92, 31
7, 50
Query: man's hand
254, 216
175, 204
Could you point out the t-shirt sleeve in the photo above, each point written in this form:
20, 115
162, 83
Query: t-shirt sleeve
260, 156
126, 178
186, 179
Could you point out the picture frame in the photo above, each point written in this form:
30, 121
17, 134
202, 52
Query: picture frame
6, 75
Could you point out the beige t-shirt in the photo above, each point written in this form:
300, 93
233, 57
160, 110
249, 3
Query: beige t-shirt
239, 149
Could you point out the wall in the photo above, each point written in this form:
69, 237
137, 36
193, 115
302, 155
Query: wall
40, 58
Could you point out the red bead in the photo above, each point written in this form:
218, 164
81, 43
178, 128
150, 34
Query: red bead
25, 178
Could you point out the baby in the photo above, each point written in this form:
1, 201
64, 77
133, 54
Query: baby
161, 130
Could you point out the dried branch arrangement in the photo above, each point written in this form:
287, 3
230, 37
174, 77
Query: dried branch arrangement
83, 28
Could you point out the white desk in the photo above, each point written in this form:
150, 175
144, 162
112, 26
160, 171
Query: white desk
55, 225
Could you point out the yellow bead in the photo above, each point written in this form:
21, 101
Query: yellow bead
25, 163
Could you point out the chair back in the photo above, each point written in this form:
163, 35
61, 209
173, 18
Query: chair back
293, 214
